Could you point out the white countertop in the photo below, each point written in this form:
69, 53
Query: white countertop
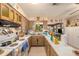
62, 49
6, 51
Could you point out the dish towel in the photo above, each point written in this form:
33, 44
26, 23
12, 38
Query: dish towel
25, 46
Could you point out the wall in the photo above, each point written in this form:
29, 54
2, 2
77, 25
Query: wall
74, 20
72, 36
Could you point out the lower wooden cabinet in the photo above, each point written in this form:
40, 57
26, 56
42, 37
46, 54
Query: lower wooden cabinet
36, 40
41, 41
33, 41
49, 49
53, 53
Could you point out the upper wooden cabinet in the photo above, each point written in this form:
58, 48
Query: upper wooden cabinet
4, 11
7, 12
11, 15
19, 18
15, 17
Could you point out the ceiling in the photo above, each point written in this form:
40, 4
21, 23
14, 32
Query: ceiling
49, 10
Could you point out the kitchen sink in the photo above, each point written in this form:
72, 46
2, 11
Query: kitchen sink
1, 51
14, 44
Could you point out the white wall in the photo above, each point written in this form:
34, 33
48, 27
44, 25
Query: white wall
72, 36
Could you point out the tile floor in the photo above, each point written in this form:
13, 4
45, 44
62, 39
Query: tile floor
37, 51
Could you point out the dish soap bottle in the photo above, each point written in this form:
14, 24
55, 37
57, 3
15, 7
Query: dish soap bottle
56, 40
51, 34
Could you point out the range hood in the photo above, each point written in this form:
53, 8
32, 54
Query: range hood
8, 23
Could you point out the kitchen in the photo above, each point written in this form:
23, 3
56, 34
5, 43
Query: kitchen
42, 29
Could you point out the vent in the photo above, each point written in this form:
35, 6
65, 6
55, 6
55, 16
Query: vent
55, 3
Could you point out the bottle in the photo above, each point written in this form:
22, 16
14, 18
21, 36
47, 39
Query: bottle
51, 34
56, 40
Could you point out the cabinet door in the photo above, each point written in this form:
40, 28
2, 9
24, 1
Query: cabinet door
52, 52
47, 48
19, 18
16, 17
11, 15
40, 40
34, 41
5, 11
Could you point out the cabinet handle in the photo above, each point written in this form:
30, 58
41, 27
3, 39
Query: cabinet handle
37, 41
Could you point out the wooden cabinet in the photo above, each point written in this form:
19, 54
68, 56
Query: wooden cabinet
34, 41
16, 17
49, 49
11, 15
52, 52
37, 41
7, 12
41, 40
19, 19
4, 11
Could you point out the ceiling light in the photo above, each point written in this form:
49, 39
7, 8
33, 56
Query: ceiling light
34, 3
